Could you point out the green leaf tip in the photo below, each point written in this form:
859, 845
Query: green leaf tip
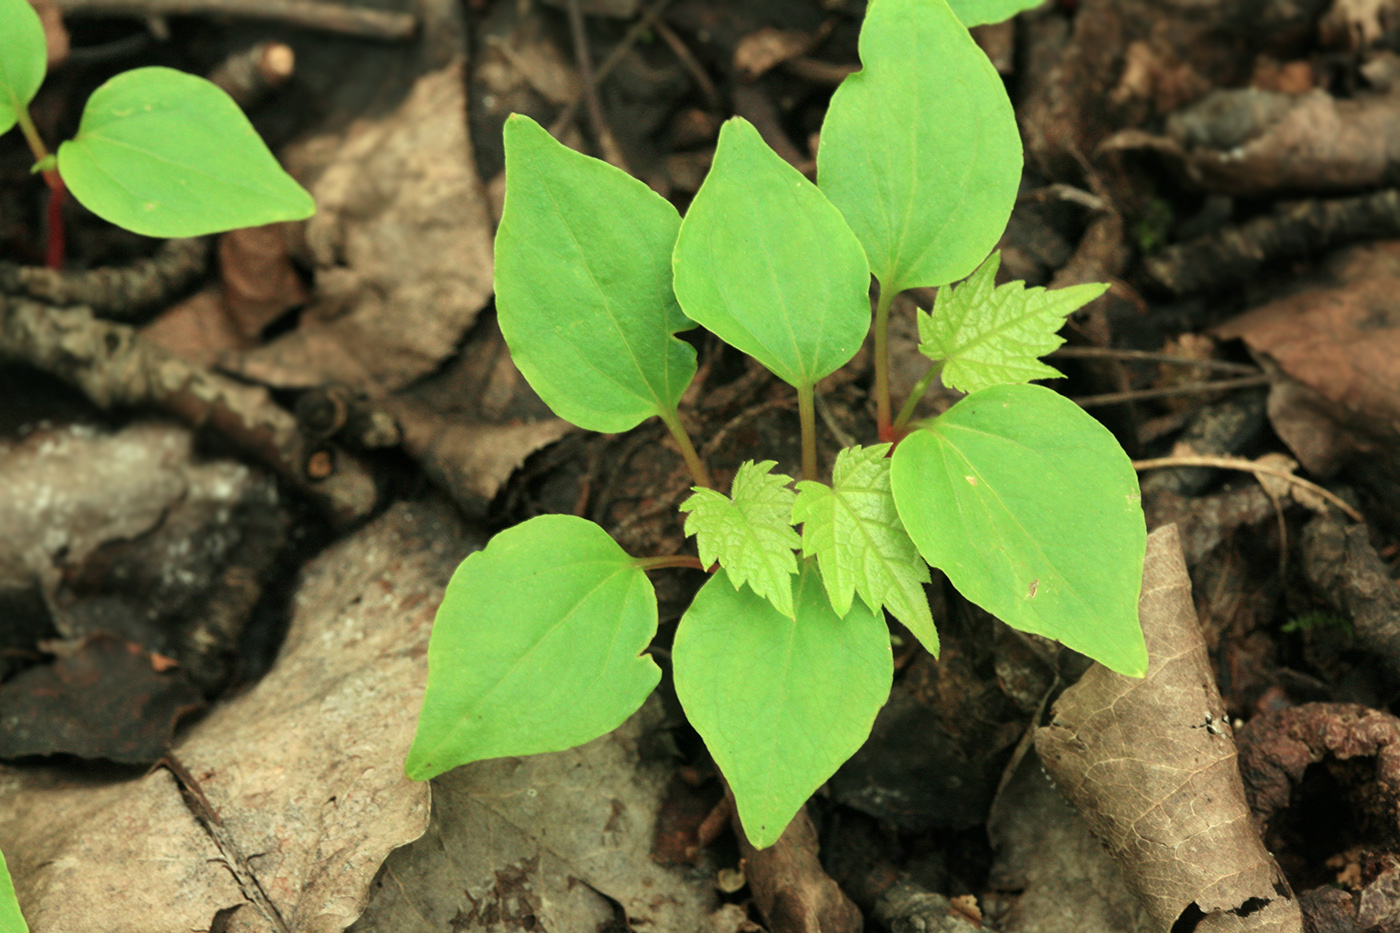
749, 532
11, 920
583, 285
168, 154
23, 59
764, 261
993, 335
860, 543
537, 647
1033, 511
923, 160
981, 12
780, 701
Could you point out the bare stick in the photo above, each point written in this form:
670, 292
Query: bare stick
114, 367
1113, 398
1247, 466
612, 152
308, 14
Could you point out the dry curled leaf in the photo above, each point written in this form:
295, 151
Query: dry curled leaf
1151, 765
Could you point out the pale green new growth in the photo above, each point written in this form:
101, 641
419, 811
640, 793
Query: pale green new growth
780, 701
860, 543
989, 335
750, 534
22, 59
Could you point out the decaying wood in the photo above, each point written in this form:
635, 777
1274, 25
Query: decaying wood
114, 366
117, 292
387, 25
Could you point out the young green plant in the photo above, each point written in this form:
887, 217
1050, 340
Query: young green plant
783, 659
158, 151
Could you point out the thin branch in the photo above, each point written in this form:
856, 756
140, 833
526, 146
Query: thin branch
1247, 466
1194, 388
1145, 356
612, 152
308, 14
115, 367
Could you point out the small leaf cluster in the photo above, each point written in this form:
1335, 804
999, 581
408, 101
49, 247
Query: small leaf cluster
158, 151
782, 661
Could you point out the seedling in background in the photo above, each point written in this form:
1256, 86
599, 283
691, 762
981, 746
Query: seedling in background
158, 151
783, 659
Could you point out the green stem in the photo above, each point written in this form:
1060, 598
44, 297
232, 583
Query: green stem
692, 459
882, 361
915, 394
37, 147
670, 560
807, 414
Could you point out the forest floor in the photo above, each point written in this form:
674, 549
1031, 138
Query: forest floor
236, 474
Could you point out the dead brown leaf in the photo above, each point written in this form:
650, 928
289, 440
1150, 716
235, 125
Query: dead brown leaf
401, 245
556, 837
1150, 763
1338, 336
107, 699
305, 770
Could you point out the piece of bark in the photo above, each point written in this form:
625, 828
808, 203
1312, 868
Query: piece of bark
1233, 256
1276, 749
1244, 141
1343, 568
792, 890
1150, 763
114, 367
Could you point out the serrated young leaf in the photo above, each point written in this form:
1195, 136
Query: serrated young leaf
860, 543
989, 335
749, 532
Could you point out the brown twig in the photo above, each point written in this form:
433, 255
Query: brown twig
648, 19
119, 292
1247, 466
1194, 388
1145, 356
114, 366
308, 14
612, 152
690, 63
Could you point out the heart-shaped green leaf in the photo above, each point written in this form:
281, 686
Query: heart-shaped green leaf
583, 285
764, 261
920, 149
977, 12
860, 543
168, 154
780, 703
11, 920
1033, 511
536, 647
23, 59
